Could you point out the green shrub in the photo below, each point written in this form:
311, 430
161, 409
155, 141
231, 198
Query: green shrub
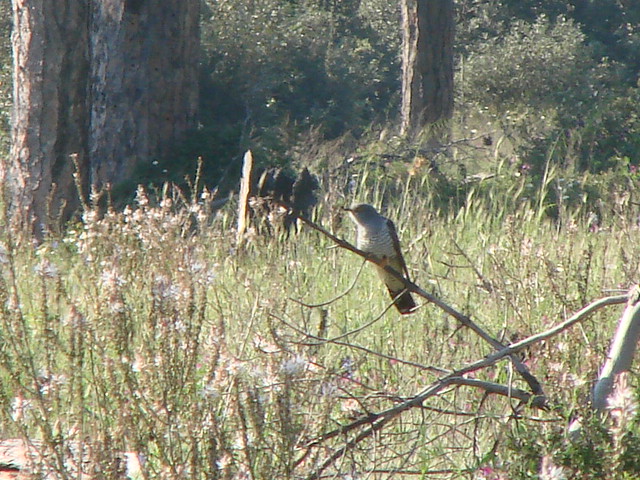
296, 63
542, 63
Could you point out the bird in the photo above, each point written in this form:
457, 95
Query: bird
376, 235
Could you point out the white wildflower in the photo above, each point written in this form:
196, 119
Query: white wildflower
549, 471
224, 462
294, 366
622, 402
19, 408
210, 391
141, 197
4, 254
47, 269
111, 278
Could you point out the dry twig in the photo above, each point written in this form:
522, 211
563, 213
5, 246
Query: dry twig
465, 320
374, 422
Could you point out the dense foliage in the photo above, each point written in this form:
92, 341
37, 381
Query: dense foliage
559, 79
279, 68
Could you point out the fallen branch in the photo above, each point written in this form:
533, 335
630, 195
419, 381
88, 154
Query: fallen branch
377, 421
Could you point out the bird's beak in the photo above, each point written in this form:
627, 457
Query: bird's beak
347, 209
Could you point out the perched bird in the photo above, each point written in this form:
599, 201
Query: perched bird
377, 236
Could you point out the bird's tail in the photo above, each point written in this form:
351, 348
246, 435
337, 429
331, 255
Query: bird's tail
403, 301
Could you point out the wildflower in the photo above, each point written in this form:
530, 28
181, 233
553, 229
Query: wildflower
141, 196
549, 471
138, 363
488, 472
47, 382
89, 217
210, 391
116, 304
178, 325
223, 462
166, 203
294, 366
622, 403
348, 366
111, 278
47, 269
4, 254
19, 408
235, 367
351, 408
525, 168
197, 266
164, 288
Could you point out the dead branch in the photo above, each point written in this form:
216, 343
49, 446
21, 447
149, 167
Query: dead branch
374, 422
503, 390
377, 421
533, 382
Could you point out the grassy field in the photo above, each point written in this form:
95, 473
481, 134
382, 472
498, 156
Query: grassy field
148, 331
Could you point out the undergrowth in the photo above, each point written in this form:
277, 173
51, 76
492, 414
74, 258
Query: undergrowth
147, 330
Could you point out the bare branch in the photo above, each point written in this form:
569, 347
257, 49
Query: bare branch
378, 420
465, 320
374, 422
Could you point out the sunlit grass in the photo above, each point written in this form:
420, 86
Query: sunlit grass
149, 331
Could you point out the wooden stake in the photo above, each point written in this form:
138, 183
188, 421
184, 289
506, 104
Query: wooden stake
243, 199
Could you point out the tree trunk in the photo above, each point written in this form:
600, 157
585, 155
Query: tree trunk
427, 63
50, 114
144, 81
111, 81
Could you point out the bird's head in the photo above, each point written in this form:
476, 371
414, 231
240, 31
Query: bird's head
362, 213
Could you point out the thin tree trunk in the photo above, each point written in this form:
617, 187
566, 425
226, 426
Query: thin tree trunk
427, 63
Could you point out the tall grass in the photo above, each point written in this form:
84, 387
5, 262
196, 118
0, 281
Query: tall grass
147, 331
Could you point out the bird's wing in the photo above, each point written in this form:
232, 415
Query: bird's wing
396, 247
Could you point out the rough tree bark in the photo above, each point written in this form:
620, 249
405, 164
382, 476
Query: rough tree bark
427, 63
50, 114
112, 81
144, 75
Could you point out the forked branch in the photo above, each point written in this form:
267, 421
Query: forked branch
376, 421
465, 320
371, 423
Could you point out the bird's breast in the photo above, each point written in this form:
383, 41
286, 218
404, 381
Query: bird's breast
378, 243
